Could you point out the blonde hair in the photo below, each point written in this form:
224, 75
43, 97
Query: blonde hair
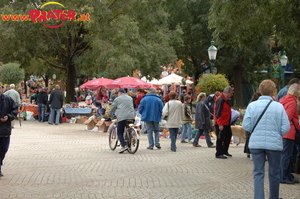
200, 96
130, 93
267, 87
294, 90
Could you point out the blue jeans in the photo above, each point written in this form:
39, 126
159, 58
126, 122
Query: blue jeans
186, 131
207, 137
41, 112
4, 145
56, 112
259, 159
173, 136
152, 127
120, 131
286, 160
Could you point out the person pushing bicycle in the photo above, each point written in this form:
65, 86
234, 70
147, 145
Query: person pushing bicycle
123, 108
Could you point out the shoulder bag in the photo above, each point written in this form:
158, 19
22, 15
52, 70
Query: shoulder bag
260, 117
246, 148
166, 117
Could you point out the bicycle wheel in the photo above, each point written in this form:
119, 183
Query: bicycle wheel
113, 138
132, 140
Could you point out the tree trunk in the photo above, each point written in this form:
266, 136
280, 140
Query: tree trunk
46, 81
238, 86
197, 75
198, 70
71, 78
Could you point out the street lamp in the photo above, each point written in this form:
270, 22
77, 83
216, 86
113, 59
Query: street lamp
212, 56
283, 59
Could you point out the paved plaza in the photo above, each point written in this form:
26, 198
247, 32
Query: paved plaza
67, 161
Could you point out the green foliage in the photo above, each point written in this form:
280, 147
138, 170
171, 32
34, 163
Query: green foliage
121, 37
243, 42
191, 18
11, 73
210, 83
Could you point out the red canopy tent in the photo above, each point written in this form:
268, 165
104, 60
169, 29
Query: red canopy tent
128, 82
96, 83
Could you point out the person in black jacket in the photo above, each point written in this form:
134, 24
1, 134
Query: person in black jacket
42, 100
56, 103
8, 112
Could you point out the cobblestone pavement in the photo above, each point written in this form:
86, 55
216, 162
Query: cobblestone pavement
66, 161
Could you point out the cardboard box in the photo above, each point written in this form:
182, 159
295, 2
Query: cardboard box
80, 121
91, 123
103, 125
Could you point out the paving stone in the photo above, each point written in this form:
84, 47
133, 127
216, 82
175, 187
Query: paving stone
66, 161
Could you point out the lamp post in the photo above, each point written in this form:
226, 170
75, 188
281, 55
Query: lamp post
53, 78
283, 61
212, 56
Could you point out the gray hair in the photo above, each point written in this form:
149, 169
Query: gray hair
228, 89
152, 90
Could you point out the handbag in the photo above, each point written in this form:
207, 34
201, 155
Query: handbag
166, 117
297, 135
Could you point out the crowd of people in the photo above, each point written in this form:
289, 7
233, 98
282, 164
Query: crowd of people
271, 126
271, 123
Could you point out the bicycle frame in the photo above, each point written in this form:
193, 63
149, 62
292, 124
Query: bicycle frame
131, 136
134, 127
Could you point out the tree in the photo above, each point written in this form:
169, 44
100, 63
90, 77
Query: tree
11, 73
120, 37
285, 16
210, 83
242, 31
191, 18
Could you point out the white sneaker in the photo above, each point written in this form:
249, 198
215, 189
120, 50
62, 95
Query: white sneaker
123, 148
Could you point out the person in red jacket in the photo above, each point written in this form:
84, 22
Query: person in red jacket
222, 116
289, 103
167, 98
141, 94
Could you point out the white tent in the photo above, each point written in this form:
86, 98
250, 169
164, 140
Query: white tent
153, 81
173, 79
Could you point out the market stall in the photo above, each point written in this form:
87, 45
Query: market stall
77, 111
31, 108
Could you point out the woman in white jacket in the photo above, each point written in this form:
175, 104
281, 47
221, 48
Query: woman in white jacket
173, 109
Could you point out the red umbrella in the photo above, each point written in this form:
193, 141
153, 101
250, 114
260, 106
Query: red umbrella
128, 82
96, 83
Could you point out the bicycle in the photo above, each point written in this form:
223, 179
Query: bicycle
130, 135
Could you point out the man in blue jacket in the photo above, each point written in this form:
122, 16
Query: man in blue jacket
8, 112
151, 110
